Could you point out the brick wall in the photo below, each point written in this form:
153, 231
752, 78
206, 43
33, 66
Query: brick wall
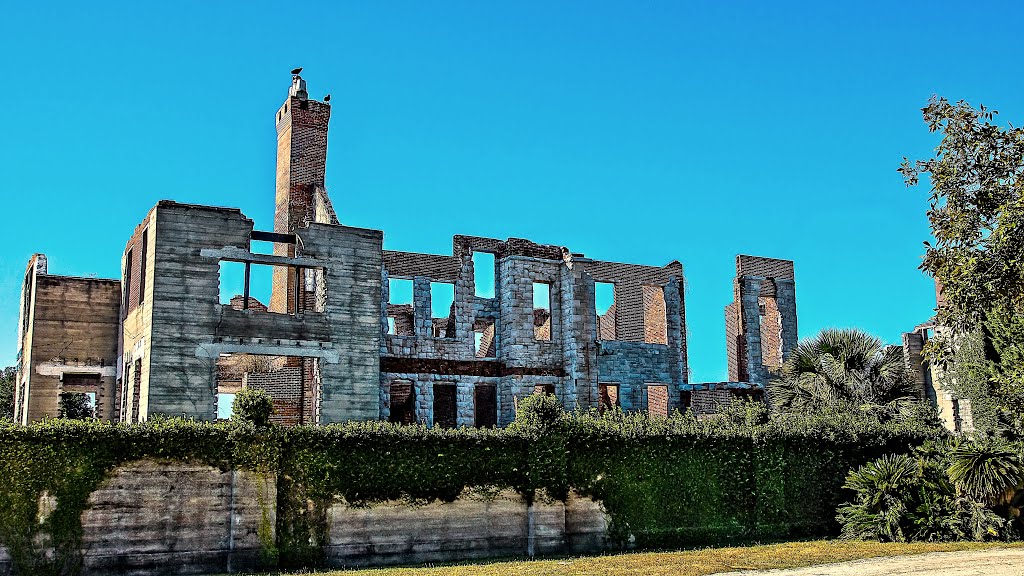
285, 387
766, 267
771, 332
632, 284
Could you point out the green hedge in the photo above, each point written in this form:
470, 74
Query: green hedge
666, 482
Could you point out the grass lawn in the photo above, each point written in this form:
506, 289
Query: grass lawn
686, 563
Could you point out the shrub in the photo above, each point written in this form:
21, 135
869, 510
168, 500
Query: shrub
75, 406
538, 413
252, 406
955, 490
988, 470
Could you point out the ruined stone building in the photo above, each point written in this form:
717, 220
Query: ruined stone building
930, 381
356, 332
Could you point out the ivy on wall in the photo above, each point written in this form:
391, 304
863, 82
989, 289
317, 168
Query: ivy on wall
663, 482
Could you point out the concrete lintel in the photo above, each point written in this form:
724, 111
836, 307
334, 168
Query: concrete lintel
214, 350
519, 257
700, 386
235, 254
57, 369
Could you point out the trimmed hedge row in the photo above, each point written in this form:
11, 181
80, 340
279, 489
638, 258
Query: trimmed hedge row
663, 482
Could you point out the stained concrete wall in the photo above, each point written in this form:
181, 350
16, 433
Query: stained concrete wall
152, 518
69, 327
189, 329
467, 529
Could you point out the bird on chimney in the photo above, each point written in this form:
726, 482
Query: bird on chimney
327, 98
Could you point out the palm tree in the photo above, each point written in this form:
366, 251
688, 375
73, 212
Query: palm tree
989, 470
845, 369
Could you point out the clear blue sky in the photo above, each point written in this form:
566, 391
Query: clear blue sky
632, 131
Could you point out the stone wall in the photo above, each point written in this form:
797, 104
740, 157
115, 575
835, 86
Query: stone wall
555, 346
760, 323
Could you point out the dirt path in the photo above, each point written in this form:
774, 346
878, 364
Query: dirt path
998, 562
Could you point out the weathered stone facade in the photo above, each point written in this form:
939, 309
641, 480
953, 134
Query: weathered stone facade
760, 323
346, 349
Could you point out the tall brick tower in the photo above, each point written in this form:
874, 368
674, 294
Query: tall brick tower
301, 162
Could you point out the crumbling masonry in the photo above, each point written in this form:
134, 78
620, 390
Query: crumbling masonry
356, 332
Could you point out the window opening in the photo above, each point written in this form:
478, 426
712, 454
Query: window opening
403, 403
77, 405
142, 266
442, 309
445, 407
289, 380
484, 338
609, 397
127, 300
541, 311
249, 285
544, 389
485, 406
225, 405
484, 274
657, 400
399, 291
655, 315
604, 301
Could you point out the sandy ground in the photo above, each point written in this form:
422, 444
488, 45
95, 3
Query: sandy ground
1008, 562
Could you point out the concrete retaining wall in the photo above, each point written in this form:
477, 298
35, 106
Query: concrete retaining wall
397, 533
154, 518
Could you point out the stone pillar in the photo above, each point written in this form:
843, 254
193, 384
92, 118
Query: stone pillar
750, 291
676, 330
464, 414
785, 299
422, 315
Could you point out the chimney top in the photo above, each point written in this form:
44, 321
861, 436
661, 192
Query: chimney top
298, 88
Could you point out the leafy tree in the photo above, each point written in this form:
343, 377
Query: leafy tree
967, 375
75, 406
976, 212
844, 369
252, 406
7, 379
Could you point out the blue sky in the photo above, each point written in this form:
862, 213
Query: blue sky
632, 131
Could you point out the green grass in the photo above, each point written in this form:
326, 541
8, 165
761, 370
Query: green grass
685, 563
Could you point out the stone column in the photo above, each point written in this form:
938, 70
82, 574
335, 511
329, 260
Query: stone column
785, 299
750, 291
422, 316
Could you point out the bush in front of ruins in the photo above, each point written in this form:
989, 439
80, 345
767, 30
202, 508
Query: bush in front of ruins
252, 406
537, 414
